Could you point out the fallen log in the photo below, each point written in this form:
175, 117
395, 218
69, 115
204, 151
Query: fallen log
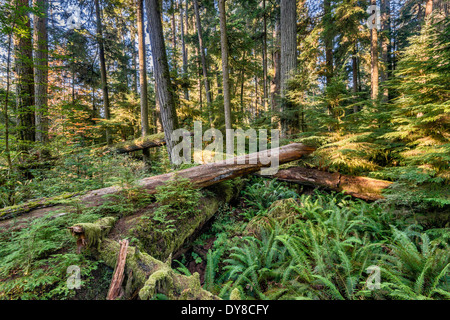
359, 187
201, 176
212, 173
146, 276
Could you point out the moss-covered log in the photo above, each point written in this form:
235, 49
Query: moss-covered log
359, 187
17, 210
146, 277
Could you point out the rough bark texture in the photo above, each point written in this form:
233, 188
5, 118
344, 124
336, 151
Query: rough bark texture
23, 52
374, 61
276, 86
203, 59
142, 68
359, 187
115, 290
184, 49
104, 80
165, 92
225, 69
288, 22
41, 70
145, 276
385, 44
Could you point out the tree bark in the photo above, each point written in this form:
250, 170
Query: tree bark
145, 275
374, 60
359, 187
355, 76
264, 58
288, 21
328, 40
429, 8
103, 69
41, 70
183, 48
23, 52
203, 60
162, 75
225, 69
385, 45
145, 130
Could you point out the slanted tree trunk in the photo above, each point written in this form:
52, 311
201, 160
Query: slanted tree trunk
41, 70
104, 80
276, 85
165, 91
23, 52
225, 69
288, 21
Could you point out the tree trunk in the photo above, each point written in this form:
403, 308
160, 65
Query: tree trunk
142, 68
385, 45
162, 76
225, 70
429, 8
203, 60
145, 276
183, 48
328, 40
264, 57
359, 187
41, 70
276, 85
24, 77
355, 76
374, 60
103, 69
288, 20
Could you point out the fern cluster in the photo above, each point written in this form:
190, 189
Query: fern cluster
327, 252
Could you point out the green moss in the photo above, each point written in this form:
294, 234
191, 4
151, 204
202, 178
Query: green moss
235, 294
96, 232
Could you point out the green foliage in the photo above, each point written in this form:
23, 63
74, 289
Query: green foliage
261, 193
34, 260
326, 252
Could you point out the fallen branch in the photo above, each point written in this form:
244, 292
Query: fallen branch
115, 290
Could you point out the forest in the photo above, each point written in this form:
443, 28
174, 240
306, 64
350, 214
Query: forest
224, 150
